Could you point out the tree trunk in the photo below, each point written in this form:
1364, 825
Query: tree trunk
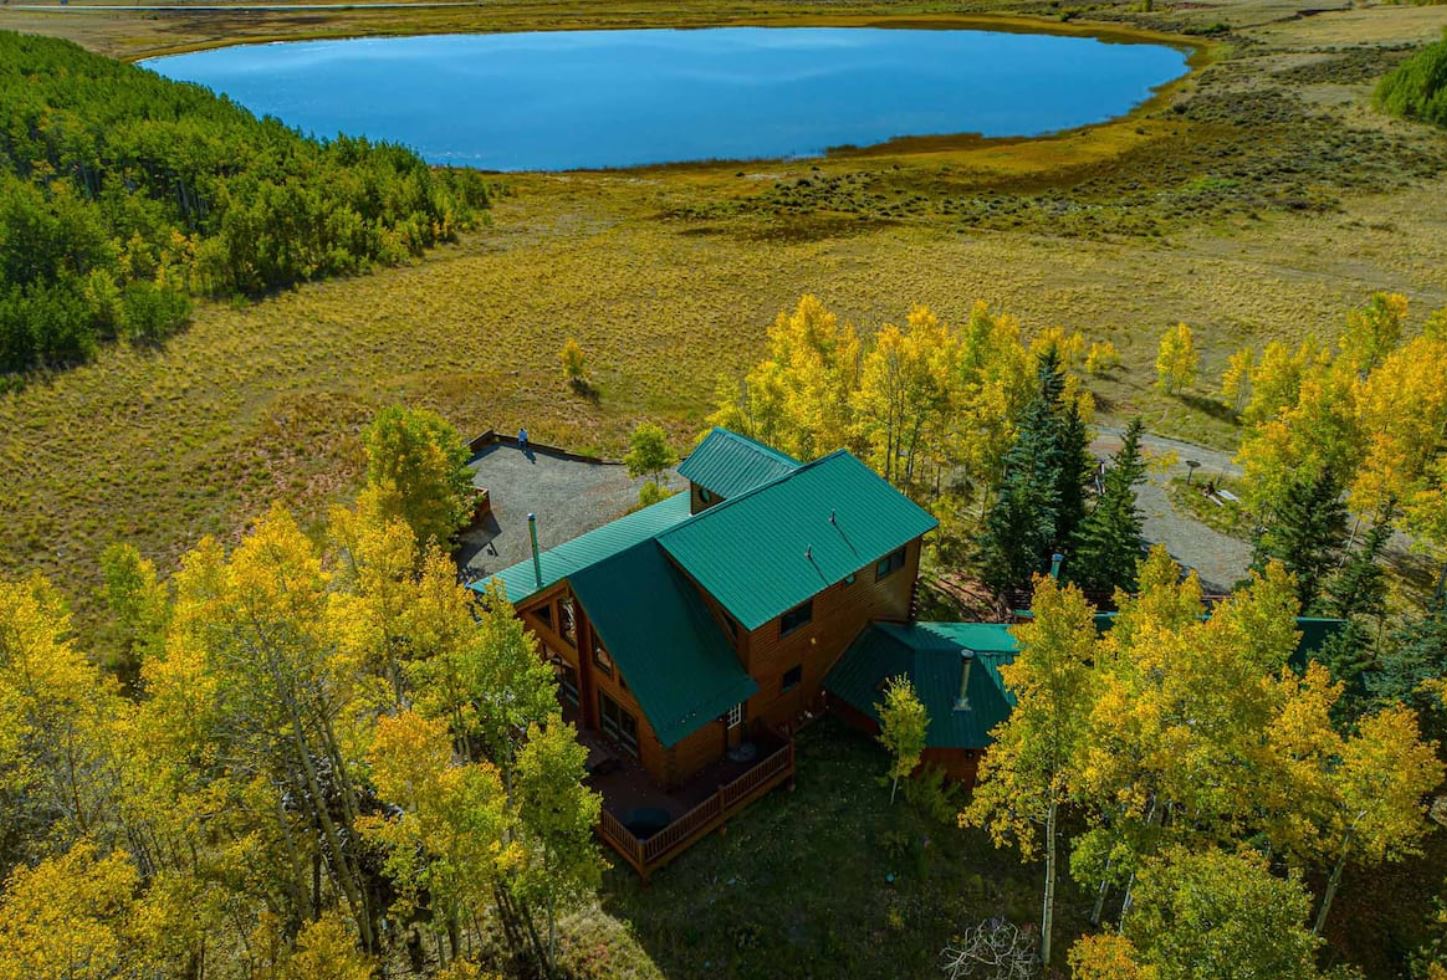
1098, 908
892, 787
1329, 894
1048, 913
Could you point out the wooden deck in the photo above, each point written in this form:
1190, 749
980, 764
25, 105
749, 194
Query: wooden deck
646, 856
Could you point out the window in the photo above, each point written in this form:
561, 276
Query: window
736, 715
800, 615
849, 579
545, 614
568, 682
705, 496
618, 724
889, 564
792, 677
600, 656
567, 622
733, 626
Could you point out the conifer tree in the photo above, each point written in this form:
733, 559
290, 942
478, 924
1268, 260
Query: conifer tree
1357, 593
1305, 532
1042, 493
1415, 656
1108, 544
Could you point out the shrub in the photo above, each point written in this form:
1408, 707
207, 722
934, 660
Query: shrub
1417, 88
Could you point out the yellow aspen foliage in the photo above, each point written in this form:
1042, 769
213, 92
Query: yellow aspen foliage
448, 838
58, 714
1030, 770
67, 916
1108, 956
574, 362
1402, 405
903, 396
1102, 358
1236, 380
1176, 359
1320, 432
1068, 345
327, 950
1276, 379
1373, 331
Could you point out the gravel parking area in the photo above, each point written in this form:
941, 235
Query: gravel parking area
569, 497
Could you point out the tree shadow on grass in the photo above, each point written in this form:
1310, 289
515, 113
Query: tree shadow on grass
1210, 406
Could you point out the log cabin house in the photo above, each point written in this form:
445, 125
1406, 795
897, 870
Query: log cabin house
710, 619
714, 621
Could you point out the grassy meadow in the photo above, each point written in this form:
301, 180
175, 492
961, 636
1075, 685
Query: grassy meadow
1260, 197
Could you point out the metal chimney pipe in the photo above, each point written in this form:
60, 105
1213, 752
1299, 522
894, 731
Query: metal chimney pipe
537, 558
1055, 561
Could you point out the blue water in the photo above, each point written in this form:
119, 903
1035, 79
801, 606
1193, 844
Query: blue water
582, 99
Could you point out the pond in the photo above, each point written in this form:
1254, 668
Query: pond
587, 99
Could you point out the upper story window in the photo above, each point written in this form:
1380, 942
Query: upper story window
705, 495
600, 656
545, 614
799, 616
889, 564
567, 621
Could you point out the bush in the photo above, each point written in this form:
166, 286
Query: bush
1417, 88
151, 312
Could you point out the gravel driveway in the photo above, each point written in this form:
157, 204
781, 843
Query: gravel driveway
1219, 559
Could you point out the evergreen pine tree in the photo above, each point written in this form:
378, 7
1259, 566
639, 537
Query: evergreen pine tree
1358, 594
1020, 527
1108, 544
1305, 533
1041, 502
1076, 465
1415, 654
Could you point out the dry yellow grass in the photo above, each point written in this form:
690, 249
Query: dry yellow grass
263, 401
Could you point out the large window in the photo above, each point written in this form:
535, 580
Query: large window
799, 616
889, 564
618, 724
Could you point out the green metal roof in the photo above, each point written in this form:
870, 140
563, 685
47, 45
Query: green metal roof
764, 552
588, 549
664, 640
932, 656
728, 464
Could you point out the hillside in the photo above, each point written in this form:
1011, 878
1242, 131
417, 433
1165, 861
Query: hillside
123, 194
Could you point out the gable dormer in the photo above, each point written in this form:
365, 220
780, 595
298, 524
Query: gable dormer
726, 464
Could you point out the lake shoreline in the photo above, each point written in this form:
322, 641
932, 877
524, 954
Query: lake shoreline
668, 98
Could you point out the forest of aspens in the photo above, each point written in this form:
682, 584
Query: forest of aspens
1186, 367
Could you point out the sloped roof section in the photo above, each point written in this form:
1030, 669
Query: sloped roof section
588, 549
764, 552
664, 640
932, 656
728, 464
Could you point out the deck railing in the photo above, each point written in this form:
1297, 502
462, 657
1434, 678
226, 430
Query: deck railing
647, 856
